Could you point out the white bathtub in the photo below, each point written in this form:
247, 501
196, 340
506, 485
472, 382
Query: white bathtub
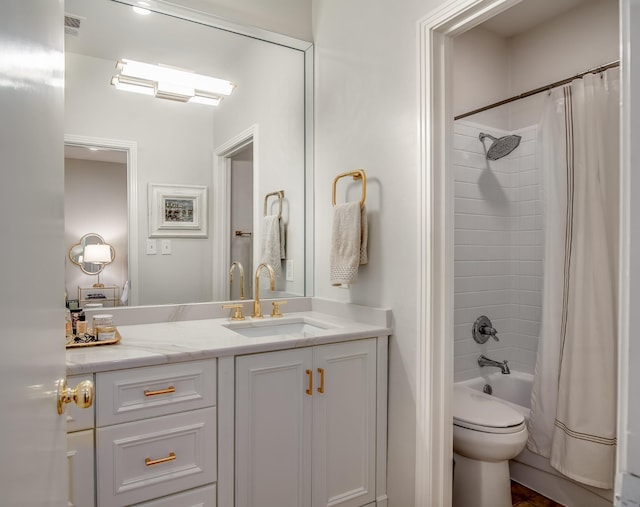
528, 468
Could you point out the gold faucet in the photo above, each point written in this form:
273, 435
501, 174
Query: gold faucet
241, 269
257, 310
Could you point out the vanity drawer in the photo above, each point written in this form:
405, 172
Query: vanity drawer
130, 395
79, 418
200, 497
148, 459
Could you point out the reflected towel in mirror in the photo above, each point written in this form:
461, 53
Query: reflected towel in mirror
273, 243
348, 243
125, 294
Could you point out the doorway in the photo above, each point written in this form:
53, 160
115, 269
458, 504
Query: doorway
91, 205
241, 223
234, 213
436, 325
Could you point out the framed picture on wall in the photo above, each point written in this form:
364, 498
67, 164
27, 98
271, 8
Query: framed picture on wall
177, 211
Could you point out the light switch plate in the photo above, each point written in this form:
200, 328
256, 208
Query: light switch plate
152, 247
289, 270
166, 247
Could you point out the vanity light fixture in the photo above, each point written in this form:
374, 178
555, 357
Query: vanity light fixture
170, 83
128, 84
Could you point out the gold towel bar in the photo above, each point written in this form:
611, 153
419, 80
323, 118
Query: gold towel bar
280, 194
357, 175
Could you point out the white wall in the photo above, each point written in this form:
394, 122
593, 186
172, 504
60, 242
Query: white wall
481, 75
95, 202
367, 116
287, 17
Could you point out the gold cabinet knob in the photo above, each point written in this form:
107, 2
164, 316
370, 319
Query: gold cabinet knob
82, 394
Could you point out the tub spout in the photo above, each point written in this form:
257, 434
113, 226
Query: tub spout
485, 361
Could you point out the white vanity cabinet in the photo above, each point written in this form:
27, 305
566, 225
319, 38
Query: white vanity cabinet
80, 451
308, 426
156, 435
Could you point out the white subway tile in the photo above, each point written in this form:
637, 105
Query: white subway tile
467, 221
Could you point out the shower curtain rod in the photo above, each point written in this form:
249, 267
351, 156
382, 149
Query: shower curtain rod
541, 89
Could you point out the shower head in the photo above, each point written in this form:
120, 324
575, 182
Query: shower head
500, 147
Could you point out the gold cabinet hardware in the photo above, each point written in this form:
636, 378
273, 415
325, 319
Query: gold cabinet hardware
168, 390
276, 308
237, 314
150, 462
82, 394
321, 386
309, 390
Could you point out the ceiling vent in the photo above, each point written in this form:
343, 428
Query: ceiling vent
72, 24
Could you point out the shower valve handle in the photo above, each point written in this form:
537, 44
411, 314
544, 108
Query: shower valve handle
491, 331
482, 329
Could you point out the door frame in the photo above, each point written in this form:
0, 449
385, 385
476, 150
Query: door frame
435, 346
222, 208
131, 149
434, 382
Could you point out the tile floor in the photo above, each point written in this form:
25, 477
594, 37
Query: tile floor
522, 496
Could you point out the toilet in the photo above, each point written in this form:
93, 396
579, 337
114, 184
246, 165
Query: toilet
487, 433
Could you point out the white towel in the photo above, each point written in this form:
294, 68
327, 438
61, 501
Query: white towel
125, 294
348, 242
273, 246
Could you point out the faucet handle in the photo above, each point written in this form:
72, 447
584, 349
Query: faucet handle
491, 331
276, 308
237, 314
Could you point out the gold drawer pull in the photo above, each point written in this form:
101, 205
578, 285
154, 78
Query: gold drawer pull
321, 388
168, 390
309, 390
150, 462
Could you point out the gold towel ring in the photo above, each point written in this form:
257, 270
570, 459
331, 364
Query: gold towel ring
357, 175
280, 194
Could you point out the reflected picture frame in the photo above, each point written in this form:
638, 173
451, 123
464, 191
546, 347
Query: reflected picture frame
177, 211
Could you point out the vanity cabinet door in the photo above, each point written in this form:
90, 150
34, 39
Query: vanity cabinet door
306, 427
80, 452
344, 424
273, 429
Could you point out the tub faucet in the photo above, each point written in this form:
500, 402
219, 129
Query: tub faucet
257, 309
485, 361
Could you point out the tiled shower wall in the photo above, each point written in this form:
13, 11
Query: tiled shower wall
498, 250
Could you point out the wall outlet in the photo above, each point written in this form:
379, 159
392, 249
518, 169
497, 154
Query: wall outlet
152, 247
289, 270
166, 247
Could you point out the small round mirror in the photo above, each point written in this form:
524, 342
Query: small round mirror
76, 254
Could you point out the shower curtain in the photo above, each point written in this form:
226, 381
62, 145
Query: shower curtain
573, 403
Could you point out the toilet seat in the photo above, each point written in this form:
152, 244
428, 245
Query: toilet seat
478, 411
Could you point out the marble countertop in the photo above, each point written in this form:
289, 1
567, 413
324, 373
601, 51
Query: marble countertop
156, 343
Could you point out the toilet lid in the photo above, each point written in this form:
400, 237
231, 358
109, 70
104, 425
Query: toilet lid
478, 411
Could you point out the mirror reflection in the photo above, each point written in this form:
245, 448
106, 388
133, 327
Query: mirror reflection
91, 254
249, 146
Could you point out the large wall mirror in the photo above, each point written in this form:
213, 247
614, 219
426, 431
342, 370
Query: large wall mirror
254, 143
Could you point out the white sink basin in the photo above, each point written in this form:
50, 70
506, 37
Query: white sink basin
293, 326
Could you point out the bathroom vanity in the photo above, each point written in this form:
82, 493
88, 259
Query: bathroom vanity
287, 411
